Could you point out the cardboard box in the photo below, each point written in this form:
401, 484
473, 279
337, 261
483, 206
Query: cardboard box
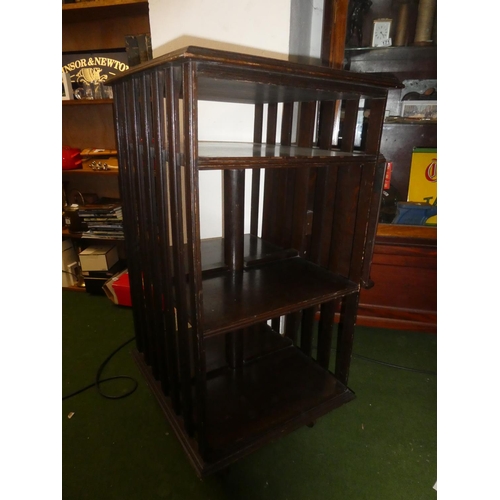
95, 280
69, 264
98, 257
423, 178
117, 289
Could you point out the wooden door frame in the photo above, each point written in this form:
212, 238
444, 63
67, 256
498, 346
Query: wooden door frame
334, 33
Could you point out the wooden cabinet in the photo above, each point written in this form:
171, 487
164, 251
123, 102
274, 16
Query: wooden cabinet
404, 272
404, 264
88, 27
225, 327
404, 269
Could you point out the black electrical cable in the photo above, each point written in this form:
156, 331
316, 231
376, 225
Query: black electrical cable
391, 365
98, 381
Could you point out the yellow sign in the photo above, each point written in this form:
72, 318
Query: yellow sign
423, 178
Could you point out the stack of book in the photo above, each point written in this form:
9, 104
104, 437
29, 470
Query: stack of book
102, 221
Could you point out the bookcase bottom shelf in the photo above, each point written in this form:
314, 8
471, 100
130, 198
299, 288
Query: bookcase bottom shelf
270, 396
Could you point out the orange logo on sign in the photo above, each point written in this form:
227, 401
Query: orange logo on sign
431, 172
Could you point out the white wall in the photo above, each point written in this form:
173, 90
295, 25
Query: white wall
306, 24
257, 27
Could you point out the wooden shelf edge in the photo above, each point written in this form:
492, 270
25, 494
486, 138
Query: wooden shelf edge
80, 171
86, 102
402, 231
284, 286
82, 236
408, 121
100, 3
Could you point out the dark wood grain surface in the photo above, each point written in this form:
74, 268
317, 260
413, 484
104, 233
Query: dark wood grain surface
236, 300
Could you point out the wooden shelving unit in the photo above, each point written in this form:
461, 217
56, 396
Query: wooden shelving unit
88, 27
224, 327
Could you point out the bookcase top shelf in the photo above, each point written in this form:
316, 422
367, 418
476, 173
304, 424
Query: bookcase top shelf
229, 77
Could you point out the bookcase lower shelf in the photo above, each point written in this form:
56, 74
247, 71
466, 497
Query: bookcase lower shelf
277, 390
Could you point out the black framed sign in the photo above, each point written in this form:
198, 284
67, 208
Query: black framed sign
94, 67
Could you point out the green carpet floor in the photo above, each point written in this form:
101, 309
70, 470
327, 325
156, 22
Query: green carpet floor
381, 446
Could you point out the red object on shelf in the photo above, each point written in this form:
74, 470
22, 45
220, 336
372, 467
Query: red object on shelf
71, 158
388, 173
117, 289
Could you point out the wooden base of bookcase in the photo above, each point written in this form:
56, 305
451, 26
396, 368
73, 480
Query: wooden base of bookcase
271, 395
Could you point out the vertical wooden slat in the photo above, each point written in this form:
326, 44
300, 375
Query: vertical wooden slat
270, 181
362, 219
275, 324
301, 188
306, 330
136, 272
321, 233
144, 234
183, 397
165, 257
349, 124
375, 125
292, 325
258, 123
346, 197
346, 336
122, 111
152, 282
257, 139
285, 181
190, 95
272, 118
376, 197
325, 332
234, 349
326, 120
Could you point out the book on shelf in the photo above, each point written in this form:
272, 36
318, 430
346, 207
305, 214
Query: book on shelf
100, 209
105, 236
102, 221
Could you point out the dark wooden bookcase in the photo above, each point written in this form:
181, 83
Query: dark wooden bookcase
225, 327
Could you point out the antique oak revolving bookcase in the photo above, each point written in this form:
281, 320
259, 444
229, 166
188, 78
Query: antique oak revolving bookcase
227, 329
